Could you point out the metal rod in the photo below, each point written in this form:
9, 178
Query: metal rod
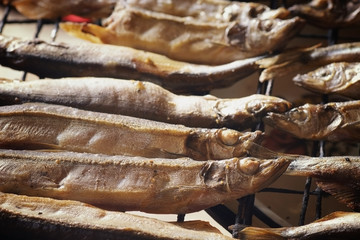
55, 30
180, 218
265, 219
4, 19
39, 25
286, 191
305, 201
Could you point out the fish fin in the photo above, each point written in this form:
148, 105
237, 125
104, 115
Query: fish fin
288, 55
85, 31
347, 193
258, 151
197, 225
255, 233
333, 215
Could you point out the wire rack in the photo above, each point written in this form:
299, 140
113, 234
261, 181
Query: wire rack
246, 207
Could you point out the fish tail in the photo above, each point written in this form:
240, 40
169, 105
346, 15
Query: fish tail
254, 233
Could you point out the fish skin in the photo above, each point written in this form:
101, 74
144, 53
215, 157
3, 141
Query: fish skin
25, 217
57, 60
341, 78
50, 9
216, 10
181, 39
124, 183
337, 175
143, 100
334, 121
337, 225
47, 126
328, 13
302, 60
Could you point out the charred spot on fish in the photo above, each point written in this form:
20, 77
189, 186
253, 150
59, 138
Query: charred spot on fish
236, 34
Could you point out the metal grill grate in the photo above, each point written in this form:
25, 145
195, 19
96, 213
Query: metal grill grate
246, 207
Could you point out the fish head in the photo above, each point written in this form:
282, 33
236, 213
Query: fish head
307, 122
329, 78
253, 174
262, 36
246, 111
229, 143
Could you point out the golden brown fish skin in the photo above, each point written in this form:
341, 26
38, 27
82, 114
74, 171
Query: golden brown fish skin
328, 13
337, 225
50, 9
37, 125
143, 100
299, 61
24, 217
182, 39
341, 78
336, 121
126, 183
336, 175
209, 10
56, 60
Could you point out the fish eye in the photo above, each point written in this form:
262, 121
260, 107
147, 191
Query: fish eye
249, 166
299, 115
228, 137
266, 25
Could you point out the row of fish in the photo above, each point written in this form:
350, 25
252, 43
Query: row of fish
164, 177
322, 13
27, 217
328, 70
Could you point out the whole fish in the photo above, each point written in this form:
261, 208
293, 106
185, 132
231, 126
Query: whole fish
24, 217
188, 40
337, 225
300, 61
337, 175
336, 121
143, 100
329, 13
50, 9
56, 60
209, 10
341, 78
126, 183
47, 126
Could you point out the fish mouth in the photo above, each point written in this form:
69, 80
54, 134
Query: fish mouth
284, 123
269, 171
272, 34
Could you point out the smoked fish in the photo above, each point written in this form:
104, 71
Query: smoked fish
337, 225
335, 121
57, 60
50, 9
24, 217
209, 10
337, 175
143, 100
342, 78
47, 126
299, 61
182, 39
329, 13
125, 183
